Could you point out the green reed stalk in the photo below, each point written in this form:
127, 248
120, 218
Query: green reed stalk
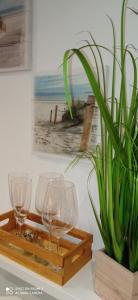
115, 161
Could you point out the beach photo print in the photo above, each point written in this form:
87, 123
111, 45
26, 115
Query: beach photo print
54, 129
15, 35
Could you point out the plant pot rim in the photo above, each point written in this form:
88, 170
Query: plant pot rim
114, 261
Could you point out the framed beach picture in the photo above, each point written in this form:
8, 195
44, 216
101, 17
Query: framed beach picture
15, 35
54, 129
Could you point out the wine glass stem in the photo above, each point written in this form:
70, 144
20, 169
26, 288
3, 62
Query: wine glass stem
19, 229
50, 238
58, 245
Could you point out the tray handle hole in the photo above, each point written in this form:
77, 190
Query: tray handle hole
76, 256
4, 222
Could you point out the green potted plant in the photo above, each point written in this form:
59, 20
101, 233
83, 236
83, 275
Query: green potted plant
115, 162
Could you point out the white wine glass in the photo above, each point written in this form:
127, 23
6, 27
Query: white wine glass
44, 180
20, 187
60, 209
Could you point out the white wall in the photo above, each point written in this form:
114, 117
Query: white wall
55, 27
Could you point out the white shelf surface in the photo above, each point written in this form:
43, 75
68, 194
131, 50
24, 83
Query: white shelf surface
80, 287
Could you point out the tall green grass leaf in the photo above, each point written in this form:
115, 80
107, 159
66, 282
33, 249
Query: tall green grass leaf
99, 98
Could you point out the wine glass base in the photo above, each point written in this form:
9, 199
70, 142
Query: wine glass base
19, 234
49, 246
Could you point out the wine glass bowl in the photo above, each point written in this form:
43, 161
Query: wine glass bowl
20, 196
43, 181
60, 209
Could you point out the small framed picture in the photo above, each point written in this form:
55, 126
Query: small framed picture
55, 131
15, 35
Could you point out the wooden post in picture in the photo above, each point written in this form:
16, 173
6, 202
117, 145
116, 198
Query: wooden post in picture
56, 110
50, 115
87, 123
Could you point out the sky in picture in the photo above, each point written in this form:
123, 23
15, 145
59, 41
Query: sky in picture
51, 87
9, 6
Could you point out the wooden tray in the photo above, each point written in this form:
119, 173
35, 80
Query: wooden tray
75, 249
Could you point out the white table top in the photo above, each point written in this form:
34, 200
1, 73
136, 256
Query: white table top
80, 287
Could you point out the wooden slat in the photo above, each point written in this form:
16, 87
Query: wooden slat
80, 234
44, 235
32, 248
34, 266
87, 123
9, 226
34, 217
9, 214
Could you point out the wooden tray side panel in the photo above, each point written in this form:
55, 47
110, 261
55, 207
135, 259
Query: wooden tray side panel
75, 266
34, 266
